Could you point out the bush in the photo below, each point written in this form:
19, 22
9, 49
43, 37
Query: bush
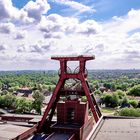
38, 101
118, 98
110, 100
97, 92
120, 93
134, 91
4, 92
134, 103
124, 102
23, 105
84, 99
129, 112
8, 100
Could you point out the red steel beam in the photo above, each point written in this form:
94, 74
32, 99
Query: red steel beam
74, 58
26, 134
51, 103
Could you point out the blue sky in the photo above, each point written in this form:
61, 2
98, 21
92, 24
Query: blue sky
32, 31
105, 9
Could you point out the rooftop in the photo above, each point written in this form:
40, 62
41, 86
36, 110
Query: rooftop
10, 131
117, 128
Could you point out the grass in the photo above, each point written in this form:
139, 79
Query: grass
132, 112
108, 110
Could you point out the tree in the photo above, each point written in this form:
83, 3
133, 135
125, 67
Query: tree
1, 101
135, 91
95, 84
107, 85
105, 99
20, 105
8, 100
114, 100
23, 105
134, 103
38, 101
40, 87
4, 92
113, 87
110, 100
97, 92
49, 88
120, 93
124, 102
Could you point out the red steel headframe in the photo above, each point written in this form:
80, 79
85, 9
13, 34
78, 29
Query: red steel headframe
81, 75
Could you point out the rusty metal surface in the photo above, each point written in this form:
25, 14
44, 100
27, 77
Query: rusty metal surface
118, 129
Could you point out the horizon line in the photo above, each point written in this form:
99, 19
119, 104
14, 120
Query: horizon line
58, 69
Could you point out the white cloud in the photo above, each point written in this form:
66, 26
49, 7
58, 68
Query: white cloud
57, 35
21, 34
40, 48
124, 24
55, 26
7, 28
89, 27
53, 23
7, 10
76, 5
114, 42
21, 48
36, 9
2, 47
134, 39
31, 12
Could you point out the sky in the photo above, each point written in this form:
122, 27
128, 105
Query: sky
31, 31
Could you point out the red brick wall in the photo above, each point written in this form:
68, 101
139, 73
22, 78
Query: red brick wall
80, 111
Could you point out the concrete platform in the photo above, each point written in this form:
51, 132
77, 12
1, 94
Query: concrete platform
108, 128
117, 128
9, 131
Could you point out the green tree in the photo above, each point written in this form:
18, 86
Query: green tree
38, 101
124, 101
113, 87
110, 100
40, 87
97, 92
107, 85
95, 84
114, 100
49, 88
8, 100
4, 92
1, 101
134, 103
120, 93
23, 105
135, 91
